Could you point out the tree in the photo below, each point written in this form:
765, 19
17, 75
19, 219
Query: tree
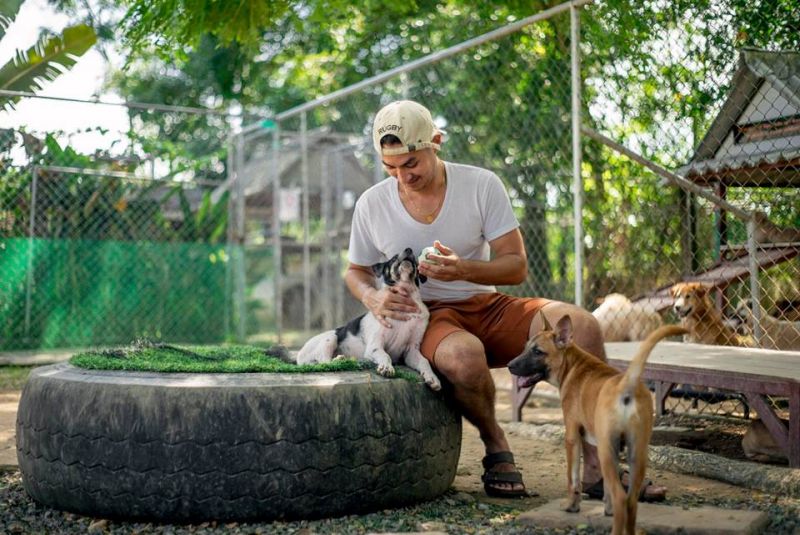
660, 68
50, 57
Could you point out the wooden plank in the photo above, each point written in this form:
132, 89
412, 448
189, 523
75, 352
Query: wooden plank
727, 360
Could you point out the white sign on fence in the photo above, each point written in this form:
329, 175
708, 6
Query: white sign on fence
290, 205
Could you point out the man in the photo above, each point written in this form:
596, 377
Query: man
466, 214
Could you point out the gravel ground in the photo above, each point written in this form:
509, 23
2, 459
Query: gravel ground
456, 512
464, 509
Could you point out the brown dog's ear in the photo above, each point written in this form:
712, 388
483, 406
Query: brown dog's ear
563, 332
703, 289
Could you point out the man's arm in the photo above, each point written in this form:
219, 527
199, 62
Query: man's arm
509, 263
388, 302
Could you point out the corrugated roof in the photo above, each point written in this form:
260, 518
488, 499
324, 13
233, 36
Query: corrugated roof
782, 71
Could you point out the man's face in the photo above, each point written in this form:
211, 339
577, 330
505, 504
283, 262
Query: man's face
413, 170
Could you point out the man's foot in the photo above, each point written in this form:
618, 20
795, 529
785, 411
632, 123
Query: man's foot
501, 478
650, 492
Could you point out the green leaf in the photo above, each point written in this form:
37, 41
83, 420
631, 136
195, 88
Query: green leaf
46, 60
8, 12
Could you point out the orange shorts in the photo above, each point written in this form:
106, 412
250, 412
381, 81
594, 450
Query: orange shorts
500, 321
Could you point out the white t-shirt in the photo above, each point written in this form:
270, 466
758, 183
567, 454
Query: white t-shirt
475, 211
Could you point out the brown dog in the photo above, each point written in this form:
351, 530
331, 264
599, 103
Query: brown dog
606, 407
701, 318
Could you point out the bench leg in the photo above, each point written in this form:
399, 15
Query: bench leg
519, 396
662, 391
776, 427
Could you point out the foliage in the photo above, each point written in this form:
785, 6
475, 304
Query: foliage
51, 56
13, 377
646, 63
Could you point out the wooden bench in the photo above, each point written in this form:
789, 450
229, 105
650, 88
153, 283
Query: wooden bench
754, 373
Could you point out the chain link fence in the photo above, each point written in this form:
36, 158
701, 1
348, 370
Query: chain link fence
247, 239
707, 92
108, 235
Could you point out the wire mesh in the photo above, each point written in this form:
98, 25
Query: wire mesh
107, 237
707, 90
702, 90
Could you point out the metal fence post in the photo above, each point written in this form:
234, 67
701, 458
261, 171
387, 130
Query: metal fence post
239, 272
306, 230
276, 229
577, 182
755, 290
31, 230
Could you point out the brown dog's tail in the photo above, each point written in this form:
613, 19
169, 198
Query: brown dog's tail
637, 363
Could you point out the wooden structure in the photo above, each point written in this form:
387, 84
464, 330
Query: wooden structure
753, 142
754, 373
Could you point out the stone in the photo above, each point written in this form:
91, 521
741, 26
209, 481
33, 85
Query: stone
653, 518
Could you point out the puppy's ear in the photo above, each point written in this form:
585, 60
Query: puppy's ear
563, 332
377, 269
703, 289
420, 279
545, 324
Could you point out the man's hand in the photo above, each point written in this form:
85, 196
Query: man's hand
389, 302
448, 265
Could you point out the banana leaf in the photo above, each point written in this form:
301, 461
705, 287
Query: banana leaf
8, 12
45, 61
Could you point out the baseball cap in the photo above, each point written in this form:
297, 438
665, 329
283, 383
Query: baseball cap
410, 122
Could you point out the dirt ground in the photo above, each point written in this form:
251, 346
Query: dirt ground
541, 461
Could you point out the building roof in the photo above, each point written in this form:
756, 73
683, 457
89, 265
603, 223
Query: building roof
755, 138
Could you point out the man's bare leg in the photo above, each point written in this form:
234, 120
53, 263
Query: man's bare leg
461, 359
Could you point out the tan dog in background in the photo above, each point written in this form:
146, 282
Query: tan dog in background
776, 333
600, 404
623, 320
701, 318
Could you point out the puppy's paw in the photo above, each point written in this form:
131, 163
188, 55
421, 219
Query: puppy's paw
432, 381
340, 358
387, 370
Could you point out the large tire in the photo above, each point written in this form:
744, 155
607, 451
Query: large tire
190, 447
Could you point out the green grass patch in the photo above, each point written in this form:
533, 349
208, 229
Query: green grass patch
14, 377
168, 358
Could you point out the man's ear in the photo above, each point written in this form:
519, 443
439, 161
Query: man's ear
563, 332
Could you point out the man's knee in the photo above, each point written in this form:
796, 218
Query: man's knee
587, 333
462, 360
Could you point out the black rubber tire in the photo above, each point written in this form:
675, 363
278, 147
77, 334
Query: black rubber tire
191, 447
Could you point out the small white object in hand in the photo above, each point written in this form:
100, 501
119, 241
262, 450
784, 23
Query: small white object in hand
423, 256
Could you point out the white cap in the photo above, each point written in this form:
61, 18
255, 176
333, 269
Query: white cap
410, 122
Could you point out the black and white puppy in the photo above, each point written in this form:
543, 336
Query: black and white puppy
366, 339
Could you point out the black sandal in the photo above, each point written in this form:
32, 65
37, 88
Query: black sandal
491, 477
596, 491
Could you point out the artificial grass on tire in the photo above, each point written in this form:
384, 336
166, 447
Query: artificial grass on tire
148, 356
170, 358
